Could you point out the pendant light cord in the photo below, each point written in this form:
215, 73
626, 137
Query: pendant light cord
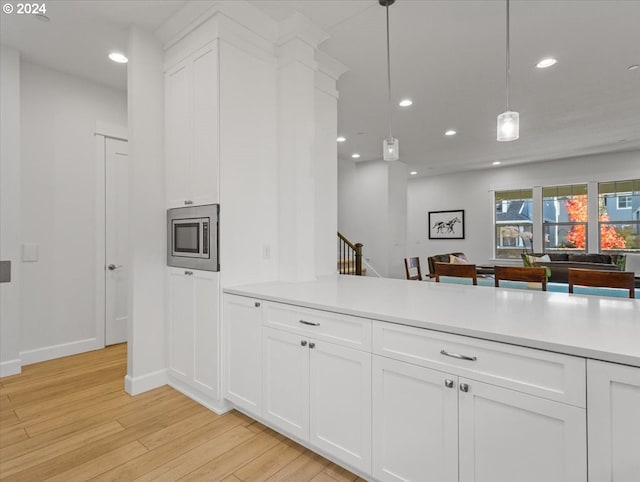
508, 63
389, 73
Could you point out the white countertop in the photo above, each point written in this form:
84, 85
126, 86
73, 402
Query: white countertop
582, 325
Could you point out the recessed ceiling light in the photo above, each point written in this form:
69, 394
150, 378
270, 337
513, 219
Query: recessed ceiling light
118, 57
548, 62
633, 67
413, 173
450, 132
355, 155
405, 103
341, 139
496, 163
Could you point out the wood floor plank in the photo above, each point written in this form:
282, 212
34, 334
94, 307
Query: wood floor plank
102, 463
60, 420
12, 435
270, 462
303, 468
29, 459
171, 449
226, 464
195, 458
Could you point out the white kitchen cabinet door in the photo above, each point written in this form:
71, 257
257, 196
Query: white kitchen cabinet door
415, 423
340, 403
205, 148
507, 436
178, 133
181, 314
613, 398
286, 382
206, 354
243, 353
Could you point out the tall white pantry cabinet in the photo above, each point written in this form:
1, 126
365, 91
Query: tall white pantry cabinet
192, 178
221, 122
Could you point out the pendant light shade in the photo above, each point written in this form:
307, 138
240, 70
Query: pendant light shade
390, 149
508, 121
390, 146
508, 126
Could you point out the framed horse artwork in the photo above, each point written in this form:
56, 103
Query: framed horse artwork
446, 224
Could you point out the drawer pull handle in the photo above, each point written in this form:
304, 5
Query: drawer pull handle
448, 383
458, 355
464, 387
309, 323
257, 304
312, 345
303, 342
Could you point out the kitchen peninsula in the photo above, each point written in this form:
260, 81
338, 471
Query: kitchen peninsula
396, 379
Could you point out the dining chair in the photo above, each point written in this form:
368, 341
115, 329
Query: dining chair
456, 271
412, 268
518, 273
602, 279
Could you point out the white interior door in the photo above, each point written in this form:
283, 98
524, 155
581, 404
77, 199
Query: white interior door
116, 239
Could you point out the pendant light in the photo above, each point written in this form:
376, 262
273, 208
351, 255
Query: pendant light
508, 121
390, 146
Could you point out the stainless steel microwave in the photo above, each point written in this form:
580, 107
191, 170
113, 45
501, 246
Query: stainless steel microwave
192, 237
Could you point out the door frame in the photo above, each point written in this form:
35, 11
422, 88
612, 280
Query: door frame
103, 131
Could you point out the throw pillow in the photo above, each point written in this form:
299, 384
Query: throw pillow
456, 260
530, 260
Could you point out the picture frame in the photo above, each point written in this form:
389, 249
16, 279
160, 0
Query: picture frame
446, 224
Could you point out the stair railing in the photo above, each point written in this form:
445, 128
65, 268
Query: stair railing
350, 255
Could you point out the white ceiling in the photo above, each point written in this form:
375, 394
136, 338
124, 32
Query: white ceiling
448, 56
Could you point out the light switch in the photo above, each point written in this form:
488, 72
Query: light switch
30, 253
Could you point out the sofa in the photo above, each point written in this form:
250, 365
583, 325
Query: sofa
560, 263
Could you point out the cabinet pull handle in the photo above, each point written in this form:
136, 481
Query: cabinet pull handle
464, 387
257, 304
448, 383
458, 356
312, 345
188, 202
303, 342
188, 273
309, 323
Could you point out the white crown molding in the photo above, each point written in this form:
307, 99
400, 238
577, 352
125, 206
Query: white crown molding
330, 66
299, 26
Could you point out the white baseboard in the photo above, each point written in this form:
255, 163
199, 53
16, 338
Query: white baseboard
144, 383
10, 367
57, 351
217, 406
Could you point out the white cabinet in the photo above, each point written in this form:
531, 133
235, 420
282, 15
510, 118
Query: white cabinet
613, 397
192, 309
457, 428
505, 435
192, 129
415, 423
315, 390
242, 332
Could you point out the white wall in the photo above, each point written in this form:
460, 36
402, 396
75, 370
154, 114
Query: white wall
10, 218
59, 114
147, 215
372, 211
471, 191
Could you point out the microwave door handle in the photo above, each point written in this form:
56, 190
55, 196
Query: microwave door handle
205, 237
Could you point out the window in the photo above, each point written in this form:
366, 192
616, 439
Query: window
513, 222
625, 201
619, 215
565, 216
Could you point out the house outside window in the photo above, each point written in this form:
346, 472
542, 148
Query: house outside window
513, 222
565, 218
619, 219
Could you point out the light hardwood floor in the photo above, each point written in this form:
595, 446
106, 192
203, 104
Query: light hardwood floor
70, 420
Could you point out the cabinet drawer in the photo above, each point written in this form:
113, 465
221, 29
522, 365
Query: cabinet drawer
545, 374
333, 327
